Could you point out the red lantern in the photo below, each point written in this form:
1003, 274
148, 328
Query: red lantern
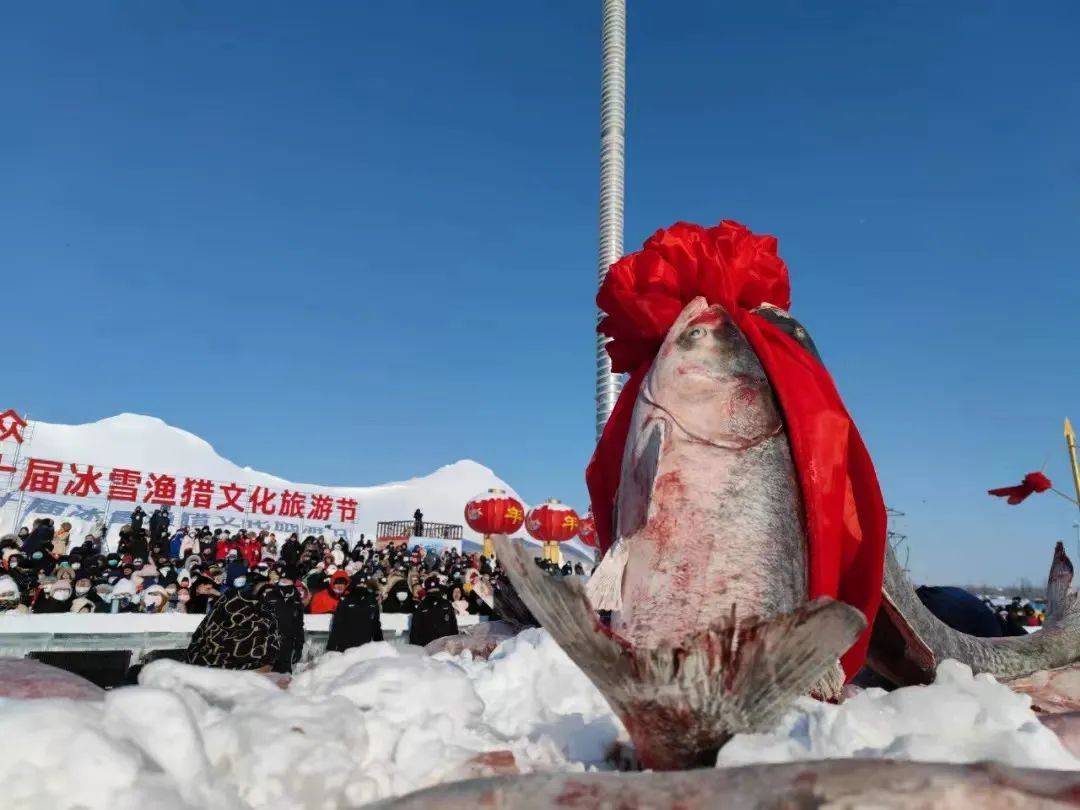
587, 530
494, 512
552, 522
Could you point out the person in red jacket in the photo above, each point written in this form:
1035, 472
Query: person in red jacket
326, 601
251, 550
226, 544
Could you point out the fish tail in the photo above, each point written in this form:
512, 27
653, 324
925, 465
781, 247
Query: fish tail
605, 585
680, 703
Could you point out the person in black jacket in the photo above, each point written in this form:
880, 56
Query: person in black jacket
283, 600
40, 539
434, 617
356, 620
159, 525
398, 599
290, 551
137, 519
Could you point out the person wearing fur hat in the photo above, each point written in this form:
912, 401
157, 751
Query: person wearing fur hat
153, 600
82, 605
84, 589
10, 598
239, 633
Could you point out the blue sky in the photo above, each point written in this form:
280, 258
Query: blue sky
351, 242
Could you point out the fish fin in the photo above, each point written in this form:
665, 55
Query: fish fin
897, 651
1060, 598
635, 493
682, 702
783, 320
638, 479
604, 587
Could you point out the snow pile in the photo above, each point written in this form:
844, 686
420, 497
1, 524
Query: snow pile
959, 718
376, 721
379, 721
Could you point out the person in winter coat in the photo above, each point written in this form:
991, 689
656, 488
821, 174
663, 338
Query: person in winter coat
356, 621
40, 538
58, 599
290, 551
251, 550
137, 546
398, 598
283, 600
203, 592
137, 518
239, 633
10, 598
176, 544
84, 589
153, 600
61, 540
434, 616
326, 600
159, 525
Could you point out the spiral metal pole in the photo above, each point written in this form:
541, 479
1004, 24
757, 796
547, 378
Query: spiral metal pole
612, 168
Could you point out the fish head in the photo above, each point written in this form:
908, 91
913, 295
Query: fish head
709, 381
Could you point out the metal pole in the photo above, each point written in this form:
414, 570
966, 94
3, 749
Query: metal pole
612, 170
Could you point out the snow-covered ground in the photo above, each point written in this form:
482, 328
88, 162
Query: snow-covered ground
380, 721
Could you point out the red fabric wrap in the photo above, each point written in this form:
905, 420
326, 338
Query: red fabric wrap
1033, 482
642, 296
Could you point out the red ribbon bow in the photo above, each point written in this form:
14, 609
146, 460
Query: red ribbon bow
642, 296
1033, 482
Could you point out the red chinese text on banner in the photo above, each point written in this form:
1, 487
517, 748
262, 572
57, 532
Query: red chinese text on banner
11, 426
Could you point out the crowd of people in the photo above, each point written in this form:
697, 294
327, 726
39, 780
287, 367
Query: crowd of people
248, 582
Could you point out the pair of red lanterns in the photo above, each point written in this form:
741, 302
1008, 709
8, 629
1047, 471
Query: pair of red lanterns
551, 522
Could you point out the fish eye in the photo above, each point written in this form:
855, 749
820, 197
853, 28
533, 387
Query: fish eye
697, 333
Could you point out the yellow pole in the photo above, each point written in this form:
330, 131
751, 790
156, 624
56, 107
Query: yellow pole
1070, 442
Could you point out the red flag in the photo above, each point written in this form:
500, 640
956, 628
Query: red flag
1033, 482
642, 296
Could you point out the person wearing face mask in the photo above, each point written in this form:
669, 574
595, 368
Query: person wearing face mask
22, 571
84, 590
434, 616
283, 600
398, 597
10, 598
58, 599
356, 621
326, 600
183, 597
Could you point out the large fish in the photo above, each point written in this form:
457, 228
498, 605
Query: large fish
712, 634
708, 516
